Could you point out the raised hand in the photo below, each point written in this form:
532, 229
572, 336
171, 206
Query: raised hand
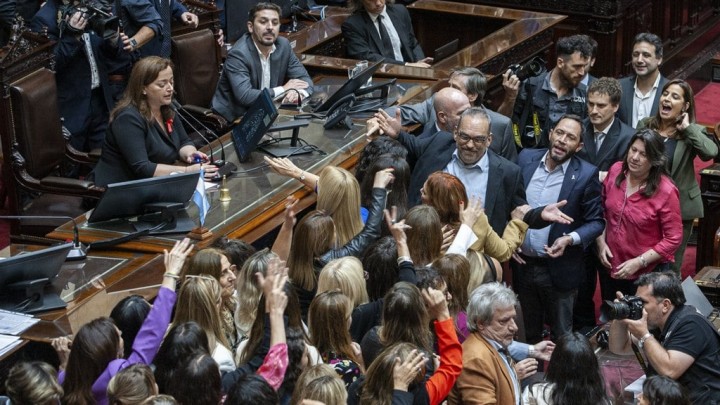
388, 125
436, 303
407, 370
474, 210
176, 258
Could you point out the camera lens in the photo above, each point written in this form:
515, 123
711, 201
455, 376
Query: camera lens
610, 310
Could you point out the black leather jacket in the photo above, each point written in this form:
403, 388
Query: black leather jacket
369, 234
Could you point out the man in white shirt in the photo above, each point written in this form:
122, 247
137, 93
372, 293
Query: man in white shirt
260, 59
377, 31
641, 92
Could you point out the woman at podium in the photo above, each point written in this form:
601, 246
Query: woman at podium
145, 138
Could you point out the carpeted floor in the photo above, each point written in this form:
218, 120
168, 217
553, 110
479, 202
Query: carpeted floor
706, 100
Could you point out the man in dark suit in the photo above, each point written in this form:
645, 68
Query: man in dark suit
83, 90
472, 82
464, 154
641, 92
550, 265
382, 32
260, 59
605, 141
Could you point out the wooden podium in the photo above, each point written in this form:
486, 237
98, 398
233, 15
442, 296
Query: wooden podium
708, 248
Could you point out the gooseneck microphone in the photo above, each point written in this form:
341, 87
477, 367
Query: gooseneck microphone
77, 252
177, 107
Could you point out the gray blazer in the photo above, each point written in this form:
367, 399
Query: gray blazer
424, 113
239, 84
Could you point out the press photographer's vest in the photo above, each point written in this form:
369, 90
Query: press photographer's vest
532, 124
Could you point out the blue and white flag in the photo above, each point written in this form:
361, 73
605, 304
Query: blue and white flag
200, 198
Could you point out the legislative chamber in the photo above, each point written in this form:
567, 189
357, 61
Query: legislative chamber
492, 36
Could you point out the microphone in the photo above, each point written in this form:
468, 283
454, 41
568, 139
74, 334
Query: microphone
77, 252
177, 107
225, 168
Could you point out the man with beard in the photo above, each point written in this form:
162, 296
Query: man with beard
549, 264
473, 83
463, 153
640, 92
260, 59
537, 104
488, 375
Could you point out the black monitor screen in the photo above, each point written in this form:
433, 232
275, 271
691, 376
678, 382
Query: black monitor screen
254, 124
127, 199
349, 87
25, 280
42, 264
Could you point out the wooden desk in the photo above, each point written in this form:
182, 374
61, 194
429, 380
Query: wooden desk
91, 288
258, 194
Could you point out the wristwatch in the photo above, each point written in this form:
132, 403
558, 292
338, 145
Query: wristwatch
642, 340
133, 43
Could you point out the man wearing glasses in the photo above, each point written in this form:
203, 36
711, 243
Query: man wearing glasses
465, 155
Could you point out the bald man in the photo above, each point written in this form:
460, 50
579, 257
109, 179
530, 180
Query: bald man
449, 104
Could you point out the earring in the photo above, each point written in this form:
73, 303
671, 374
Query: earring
144, 93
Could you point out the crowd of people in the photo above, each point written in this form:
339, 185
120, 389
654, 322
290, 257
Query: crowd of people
391, 290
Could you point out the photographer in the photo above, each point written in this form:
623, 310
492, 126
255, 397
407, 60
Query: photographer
683, 344
536, 104
83, 91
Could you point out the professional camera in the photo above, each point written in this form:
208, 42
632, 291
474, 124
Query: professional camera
629, 307
534, 67
97, 12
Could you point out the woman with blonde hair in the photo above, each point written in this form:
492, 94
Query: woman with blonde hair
132, 385
338, 194
315, 242
344, 274
33, 383
332, 338
214, 263
319, 372
199, 301
248, 292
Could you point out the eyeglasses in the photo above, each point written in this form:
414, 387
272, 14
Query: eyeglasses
465, 138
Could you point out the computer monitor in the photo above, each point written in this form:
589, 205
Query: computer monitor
349, 87
137, 198
254, 124
25, 280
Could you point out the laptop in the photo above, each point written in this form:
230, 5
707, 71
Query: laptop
446, 50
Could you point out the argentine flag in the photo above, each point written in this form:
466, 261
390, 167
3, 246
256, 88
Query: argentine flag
200, 198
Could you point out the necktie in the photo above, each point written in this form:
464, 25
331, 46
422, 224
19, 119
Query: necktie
513, 375
599, 137
387, 50
165, 12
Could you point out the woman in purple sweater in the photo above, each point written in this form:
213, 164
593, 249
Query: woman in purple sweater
97, 349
